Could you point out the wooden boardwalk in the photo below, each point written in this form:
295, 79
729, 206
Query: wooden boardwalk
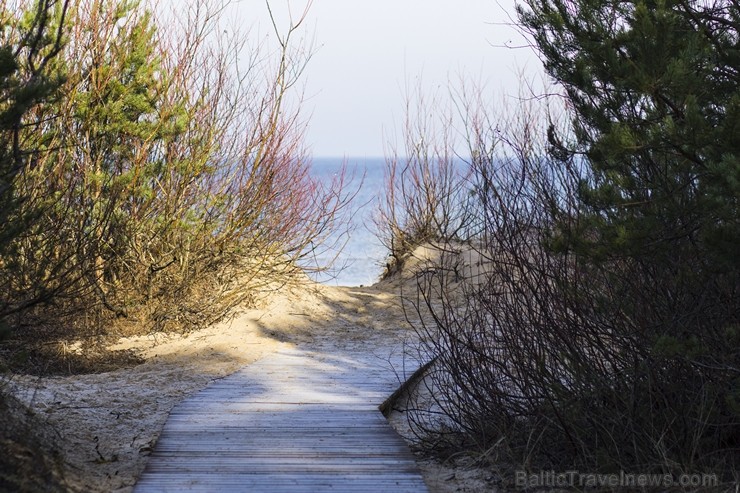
296, 421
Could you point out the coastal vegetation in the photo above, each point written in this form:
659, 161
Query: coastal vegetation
582, 309
152, 168
585, 317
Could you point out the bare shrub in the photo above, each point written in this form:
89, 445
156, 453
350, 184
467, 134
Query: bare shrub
548, 359
173, 167
426, 182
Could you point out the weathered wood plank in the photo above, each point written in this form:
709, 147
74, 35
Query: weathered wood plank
295, 421
288, 484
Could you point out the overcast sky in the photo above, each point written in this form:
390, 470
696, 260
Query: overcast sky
367, 52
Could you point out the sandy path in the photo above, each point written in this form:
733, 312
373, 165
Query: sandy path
108, 423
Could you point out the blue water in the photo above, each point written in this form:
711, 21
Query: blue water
361, 261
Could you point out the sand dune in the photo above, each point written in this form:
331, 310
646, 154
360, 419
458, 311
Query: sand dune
108, 423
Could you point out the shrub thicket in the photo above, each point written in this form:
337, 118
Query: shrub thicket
598, 326
151, 174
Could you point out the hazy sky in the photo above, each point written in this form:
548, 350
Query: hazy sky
367, 52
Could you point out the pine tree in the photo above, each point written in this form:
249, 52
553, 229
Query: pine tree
30, 43
655, 86
116, 83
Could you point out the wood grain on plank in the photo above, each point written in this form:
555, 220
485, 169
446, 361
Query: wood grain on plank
295, 421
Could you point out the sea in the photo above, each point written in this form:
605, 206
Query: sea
358, 255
